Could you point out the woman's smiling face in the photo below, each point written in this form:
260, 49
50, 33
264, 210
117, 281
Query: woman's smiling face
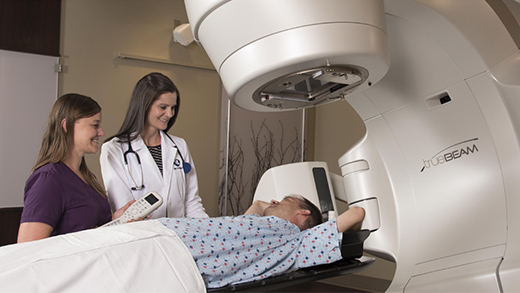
87, 132
161, 111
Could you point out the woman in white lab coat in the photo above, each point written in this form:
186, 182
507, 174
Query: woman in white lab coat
143, 157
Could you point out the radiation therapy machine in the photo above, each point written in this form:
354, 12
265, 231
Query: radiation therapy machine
437, 84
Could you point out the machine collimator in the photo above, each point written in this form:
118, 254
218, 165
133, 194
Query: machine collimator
293, 50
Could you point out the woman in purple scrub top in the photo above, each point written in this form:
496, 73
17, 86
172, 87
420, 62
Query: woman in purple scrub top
62, 195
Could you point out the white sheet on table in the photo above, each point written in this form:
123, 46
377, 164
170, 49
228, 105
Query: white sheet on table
143, 256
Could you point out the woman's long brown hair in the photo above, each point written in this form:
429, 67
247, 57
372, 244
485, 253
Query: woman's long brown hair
57, 142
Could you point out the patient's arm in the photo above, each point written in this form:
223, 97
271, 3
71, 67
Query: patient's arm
351, 219
30, 231
257, 208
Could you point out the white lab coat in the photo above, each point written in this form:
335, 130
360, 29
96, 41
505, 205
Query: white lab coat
178, 190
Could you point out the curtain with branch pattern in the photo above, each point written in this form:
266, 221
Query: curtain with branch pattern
251, 143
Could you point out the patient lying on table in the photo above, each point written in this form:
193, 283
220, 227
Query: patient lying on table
188, 255
268, 240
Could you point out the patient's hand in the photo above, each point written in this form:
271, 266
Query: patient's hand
257, 208
350, 220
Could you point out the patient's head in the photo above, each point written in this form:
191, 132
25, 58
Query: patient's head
298, 210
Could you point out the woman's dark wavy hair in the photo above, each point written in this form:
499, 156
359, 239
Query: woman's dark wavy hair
147, 90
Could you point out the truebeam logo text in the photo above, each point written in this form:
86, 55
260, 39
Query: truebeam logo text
450, 153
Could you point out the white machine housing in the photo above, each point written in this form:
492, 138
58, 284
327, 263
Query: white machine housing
437, 170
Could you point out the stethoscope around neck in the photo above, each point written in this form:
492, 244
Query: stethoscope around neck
185, 165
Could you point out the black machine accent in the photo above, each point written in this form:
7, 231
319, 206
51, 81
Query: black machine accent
322, 188
353, 261
445, 99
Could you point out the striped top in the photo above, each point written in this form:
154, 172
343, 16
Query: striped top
155, 151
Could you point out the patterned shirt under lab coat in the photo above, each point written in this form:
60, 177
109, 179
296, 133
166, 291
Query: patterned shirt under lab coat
246, 248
